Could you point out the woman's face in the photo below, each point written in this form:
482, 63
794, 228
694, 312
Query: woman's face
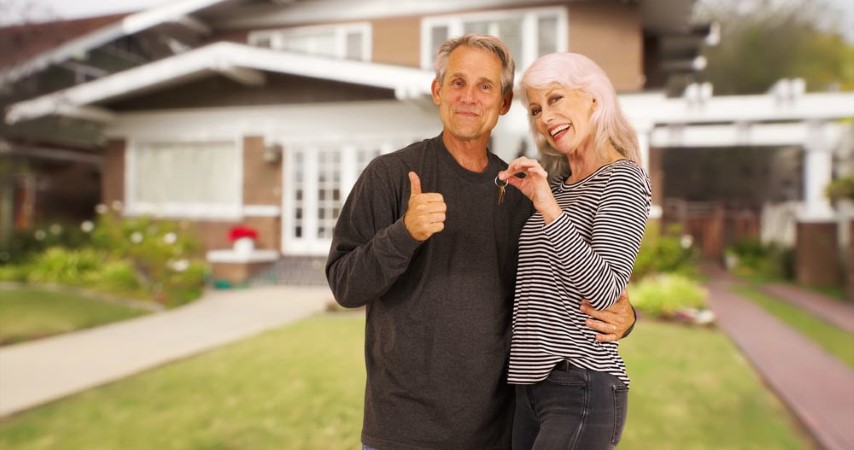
562, 117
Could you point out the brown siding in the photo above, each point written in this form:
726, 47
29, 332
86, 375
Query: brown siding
213, 235
113, 176
816, 250
611, 34
397, 41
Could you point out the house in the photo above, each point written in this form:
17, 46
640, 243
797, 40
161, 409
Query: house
270, 113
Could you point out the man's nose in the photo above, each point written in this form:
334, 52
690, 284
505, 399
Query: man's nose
469, 94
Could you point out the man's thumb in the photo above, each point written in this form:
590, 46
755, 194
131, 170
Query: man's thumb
415, 183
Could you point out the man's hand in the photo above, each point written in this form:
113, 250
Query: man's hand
612, 323
425, 214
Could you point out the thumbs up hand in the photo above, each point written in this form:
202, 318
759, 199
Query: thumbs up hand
425, 214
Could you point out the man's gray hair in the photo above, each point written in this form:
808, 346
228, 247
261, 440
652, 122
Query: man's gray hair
481, 41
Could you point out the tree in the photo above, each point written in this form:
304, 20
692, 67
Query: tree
764, 41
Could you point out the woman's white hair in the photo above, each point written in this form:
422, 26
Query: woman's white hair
609, 123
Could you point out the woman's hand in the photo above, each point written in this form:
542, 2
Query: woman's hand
535, 185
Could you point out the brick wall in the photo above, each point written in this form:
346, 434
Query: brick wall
816, 254
113, 172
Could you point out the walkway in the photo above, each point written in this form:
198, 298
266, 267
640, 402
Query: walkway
41, 371
817, 388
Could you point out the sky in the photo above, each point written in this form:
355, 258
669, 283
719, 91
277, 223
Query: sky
71, 9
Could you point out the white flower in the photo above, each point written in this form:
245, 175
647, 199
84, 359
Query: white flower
686, 241
170, 238
40, 235
87, 226
56, 228
117, 205
180, 265
101, 208
136, 237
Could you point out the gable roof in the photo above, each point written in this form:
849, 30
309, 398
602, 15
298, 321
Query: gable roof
238, 61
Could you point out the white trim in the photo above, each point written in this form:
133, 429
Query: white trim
528, 22
234, 257
406, 82
338, 32
261, 211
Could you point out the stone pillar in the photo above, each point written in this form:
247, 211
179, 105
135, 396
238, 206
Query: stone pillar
817, 259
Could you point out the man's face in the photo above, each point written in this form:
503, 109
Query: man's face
469, 98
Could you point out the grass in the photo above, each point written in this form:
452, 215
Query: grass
301, 387
27, 314
835, 341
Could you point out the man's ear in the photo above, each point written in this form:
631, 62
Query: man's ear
434, 89
505, 104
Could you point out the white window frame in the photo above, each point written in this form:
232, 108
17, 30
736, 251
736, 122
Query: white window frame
193, 211
456, 25
353, 156
277, 37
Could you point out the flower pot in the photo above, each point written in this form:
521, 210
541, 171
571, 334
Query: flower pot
244, 245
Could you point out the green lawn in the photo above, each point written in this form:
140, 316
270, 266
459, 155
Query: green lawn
835, 341
301, 387
27, 314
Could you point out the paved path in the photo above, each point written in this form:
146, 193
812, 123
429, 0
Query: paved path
836, 312
817, 388
40, 371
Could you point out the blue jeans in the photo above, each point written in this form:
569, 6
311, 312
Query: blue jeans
573, 408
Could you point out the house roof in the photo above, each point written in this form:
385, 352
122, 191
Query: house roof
243, 63
88, 34
20, 43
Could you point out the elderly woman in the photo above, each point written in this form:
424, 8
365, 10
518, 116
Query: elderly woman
592, 200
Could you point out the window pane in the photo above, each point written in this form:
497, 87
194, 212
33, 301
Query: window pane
354, 46
546, 35
186, 173
438, 35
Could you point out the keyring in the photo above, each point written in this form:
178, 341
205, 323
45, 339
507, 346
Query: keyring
498, 182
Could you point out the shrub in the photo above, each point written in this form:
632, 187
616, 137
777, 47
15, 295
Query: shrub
668, 252
751, 258
663, 295
22, 246
63, 266
118, 277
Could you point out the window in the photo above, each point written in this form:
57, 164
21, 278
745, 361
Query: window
184, 179
529, 33
318, 179
351, 41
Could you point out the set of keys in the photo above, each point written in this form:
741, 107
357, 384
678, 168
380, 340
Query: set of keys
501, 185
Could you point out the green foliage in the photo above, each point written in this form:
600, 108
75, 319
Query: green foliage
118, 277
841, 188
663, 295
136, 257
24, 245
58, 265
762, 45
664, 253
749, 257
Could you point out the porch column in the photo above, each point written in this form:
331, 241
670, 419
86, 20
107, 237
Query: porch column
817, 259
644, 136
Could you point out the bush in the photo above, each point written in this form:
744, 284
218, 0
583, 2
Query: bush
668, 252
63, 266
22, 246
118, 277
663, 295
749, 257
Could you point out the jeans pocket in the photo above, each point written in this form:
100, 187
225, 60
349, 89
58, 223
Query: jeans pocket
621, 405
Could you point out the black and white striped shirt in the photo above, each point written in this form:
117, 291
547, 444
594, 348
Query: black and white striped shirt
586, 253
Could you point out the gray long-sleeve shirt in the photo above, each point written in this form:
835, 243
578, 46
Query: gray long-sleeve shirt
438, 313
